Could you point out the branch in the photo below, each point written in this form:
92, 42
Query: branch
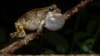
76, 8
19, 43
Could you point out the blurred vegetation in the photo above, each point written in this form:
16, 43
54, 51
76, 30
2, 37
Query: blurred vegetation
81, 33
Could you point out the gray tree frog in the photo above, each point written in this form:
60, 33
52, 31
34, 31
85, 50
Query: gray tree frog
49, 17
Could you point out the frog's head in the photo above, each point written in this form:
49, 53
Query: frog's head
54, 8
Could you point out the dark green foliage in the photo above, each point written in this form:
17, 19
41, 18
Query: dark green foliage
87, 45
58, 41
92, 25
49, 52
80, 36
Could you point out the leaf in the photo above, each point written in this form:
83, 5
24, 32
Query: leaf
91, 25
80, 36
87, 45
58, 41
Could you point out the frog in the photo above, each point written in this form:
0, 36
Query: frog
49, 17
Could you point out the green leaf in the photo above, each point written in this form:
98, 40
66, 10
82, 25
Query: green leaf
58, 41
91, 25
87, 45
80, 36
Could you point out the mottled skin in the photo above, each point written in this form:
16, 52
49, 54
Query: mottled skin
33, 20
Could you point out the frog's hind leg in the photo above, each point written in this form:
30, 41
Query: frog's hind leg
20, 31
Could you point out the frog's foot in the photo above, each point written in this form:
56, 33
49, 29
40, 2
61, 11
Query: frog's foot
17, 35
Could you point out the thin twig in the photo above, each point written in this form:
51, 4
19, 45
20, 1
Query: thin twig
19, 43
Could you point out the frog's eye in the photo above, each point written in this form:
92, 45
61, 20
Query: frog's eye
52, 7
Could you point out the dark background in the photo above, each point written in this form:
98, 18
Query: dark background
84, 23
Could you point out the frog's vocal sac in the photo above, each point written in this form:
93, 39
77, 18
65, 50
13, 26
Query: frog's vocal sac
49, 17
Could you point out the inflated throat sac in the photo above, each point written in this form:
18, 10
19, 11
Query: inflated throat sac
54, 22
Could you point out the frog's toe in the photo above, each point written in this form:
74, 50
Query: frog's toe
21, 35
13, 35
17, 35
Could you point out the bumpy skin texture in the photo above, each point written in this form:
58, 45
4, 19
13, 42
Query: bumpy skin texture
36, 19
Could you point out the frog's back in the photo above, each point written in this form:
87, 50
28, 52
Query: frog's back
37, 13
31, 19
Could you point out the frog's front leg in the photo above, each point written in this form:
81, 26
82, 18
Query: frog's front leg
20, 31
40, 29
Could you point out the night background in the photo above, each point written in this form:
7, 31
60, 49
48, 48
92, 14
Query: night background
80, 34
